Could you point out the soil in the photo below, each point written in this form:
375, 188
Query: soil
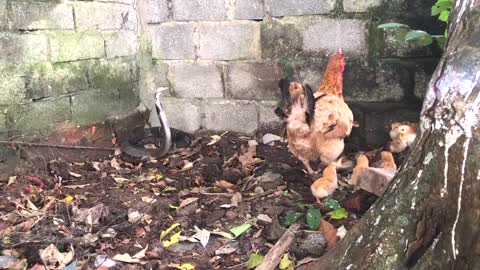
135, 200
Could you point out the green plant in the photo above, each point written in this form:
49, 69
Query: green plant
442, 9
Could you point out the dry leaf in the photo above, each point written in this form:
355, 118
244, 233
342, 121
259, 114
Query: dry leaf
187, 201
115, 164
11, 180
120, 180
51, 257
225, 185
246, 159
140, 232
76, 175
236, 199
329, 232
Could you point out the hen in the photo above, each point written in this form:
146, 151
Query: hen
317, 123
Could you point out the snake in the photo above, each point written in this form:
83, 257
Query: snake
169, 136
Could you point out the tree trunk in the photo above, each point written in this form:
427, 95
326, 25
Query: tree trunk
429, 217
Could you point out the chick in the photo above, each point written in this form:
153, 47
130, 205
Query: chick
388, 160
327, 184
403, 135
362, 163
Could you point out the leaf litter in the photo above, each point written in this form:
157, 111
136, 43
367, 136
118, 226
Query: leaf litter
194, 209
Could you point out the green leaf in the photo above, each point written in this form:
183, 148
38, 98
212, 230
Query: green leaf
285, 262
441, 40
339, 213
444, 16
440, 6
314, 217
332, 203
291, 218
239, 230
421, 37
391, 25
254, 260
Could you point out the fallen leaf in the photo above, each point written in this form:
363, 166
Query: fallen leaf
175, 238
90, 216
239, 230
77, 186
254, 260
291, 218
76, 175
329, 232
187, 201
332, 203
115, 164
246, 159
140, 232
236, 199
11, 180
167, 231
227, 249
120, 180
341, 232
149, 200
314, 217
67, 199
125, 257
223, 234
225, 185
173, 206
184, 266
52, 258
103, 260
339, 213
264, 218
285, 262
203, 236
216, 138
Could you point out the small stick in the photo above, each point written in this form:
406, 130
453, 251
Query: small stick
263, 194
272, 259
58, 145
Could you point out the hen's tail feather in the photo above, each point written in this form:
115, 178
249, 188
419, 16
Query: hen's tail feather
284, 85
344, 163
310, 103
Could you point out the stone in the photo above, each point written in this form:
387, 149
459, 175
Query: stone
249, 10
236, 116
157, 11
270, 181
38, 15
229, 40
122, 43
182, 114
76, 46
312, 244
387, 82
173, 41
376, 180
199, 10
258, 81
46, 79
327, 35
197, 80
360, 5
27, 48
104, 16
301, 7
105, 102
52, 111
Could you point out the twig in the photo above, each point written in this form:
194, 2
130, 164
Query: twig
272, 259
263, 194
58, 145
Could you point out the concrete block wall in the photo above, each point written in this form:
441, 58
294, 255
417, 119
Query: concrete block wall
66, 61
221, 60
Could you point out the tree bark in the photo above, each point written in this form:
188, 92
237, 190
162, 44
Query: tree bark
429, 218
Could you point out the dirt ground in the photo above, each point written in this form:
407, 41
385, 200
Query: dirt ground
118, 205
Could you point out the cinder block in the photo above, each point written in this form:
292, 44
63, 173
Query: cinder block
396, 46
46, 79
267, 117
153, 79
122, 43
229, 41
330, 34
301, 7
24, 48
183, 114
249, 10
386, 82
157, 11
34, 15
51, 111
199, 10
173, 41
237, 116
197, 80
360, 5
12, 87
105, 102
112, 73
253, 80
104, 16
67, 46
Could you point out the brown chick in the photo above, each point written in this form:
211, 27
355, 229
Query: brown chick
362, 163
388, 160
403, 135
325, 185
